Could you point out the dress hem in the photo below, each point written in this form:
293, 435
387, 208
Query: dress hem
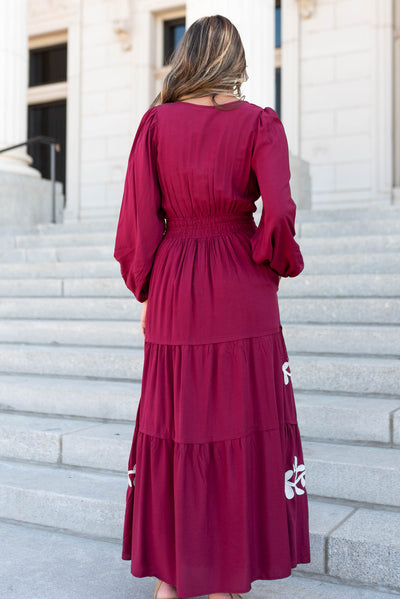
207, 592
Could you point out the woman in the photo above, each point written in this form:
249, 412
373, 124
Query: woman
216, 488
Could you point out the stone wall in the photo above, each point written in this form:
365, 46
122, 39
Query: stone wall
344, 117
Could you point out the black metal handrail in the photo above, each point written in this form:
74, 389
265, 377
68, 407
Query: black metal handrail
54, 147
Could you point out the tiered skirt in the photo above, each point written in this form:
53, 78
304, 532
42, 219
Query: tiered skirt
216, 495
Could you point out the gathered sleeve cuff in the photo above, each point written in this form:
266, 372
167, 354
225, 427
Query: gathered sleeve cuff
141, 220
273, 242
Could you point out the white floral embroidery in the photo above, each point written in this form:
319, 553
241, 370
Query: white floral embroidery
290, 485
286, 373
129, 478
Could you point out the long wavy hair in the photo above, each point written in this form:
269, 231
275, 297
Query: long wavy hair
210, 59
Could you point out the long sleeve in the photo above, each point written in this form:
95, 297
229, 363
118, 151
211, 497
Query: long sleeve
273, 242
141, 219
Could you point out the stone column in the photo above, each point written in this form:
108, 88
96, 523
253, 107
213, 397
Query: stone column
291, 73
396, 103
13, 86
255, 21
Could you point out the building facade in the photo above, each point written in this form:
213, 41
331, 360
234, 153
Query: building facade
86, 71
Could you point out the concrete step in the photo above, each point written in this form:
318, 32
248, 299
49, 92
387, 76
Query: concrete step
85, 503
60, 396
361, 544
320, 218
65, 239
72, 251
103, 363
32, 287
349, 227
351, 244
38, 561
66, 441
351, 263
58, 254
325, 417
362, 310
50, 270
314, 216
303, 310
388, 212
336, 286
332, 286
73, 332
72, 308
331, 264
357, 545
357, 473
358, 375
59, 237
342, 339
367, 214
347, 418
102, 225
362, 474
89, 287
339, 339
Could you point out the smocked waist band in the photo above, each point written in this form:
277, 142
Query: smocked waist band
208, 225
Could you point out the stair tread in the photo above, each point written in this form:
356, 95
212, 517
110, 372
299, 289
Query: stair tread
93, 248
52, 426
363, 456
68, 396
311, 337
380, 457
359, 374
58, 387
111, 487
303, 310
349, 419
101, 486
137, 352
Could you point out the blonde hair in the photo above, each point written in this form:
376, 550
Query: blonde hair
210, 59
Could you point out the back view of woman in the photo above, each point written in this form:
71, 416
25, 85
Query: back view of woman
216, 492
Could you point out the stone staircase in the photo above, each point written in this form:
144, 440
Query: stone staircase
71, 356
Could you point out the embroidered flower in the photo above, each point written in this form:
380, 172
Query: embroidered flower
286, 373
299, 477
129, 478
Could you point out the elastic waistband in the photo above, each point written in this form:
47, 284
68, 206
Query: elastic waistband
209, 225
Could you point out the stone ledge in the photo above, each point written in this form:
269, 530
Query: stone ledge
69, 397
26, 201
366, 548
352, 419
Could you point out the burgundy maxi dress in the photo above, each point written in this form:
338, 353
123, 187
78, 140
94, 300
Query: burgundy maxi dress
216, 492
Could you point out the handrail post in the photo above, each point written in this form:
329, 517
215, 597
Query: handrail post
53, 179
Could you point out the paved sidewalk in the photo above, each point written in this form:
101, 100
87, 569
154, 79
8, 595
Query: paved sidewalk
43, 564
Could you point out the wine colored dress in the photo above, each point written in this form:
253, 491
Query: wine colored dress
216, 492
